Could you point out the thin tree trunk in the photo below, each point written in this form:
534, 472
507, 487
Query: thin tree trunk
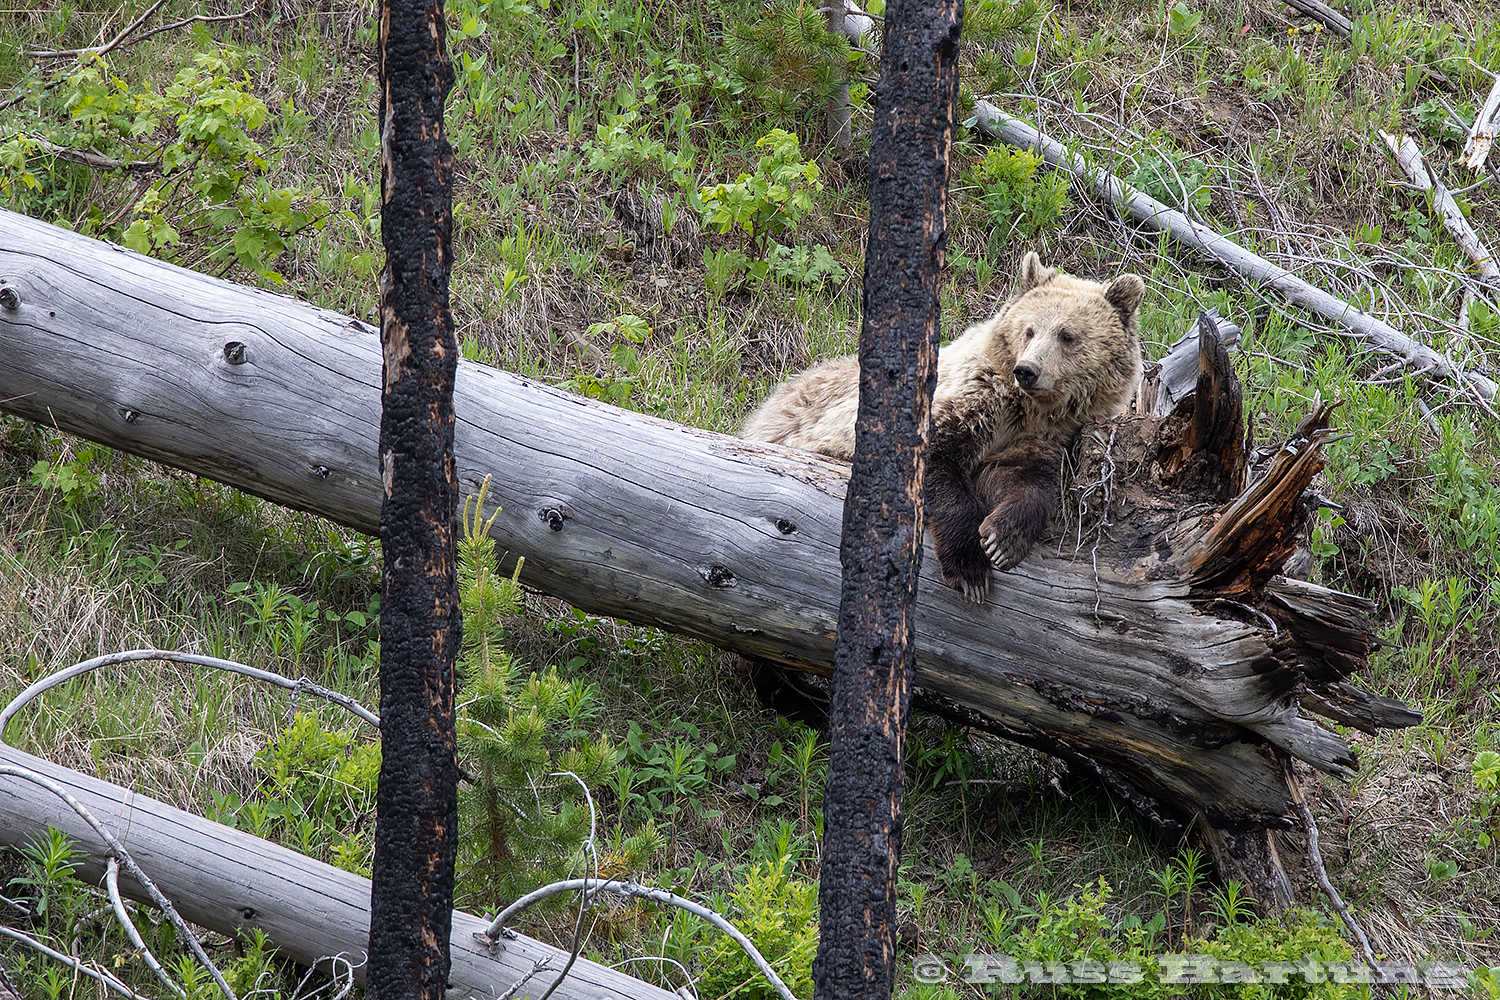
411, 899
840, 132
881, 545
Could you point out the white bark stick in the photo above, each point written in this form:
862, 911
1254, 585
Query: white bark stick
1251, 266
1409, 158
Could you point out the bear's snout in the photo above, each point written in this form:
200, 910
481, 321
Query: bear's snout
1026, 375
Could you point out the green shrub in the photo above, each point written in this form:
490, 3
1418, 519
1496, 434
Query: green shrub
526, 740
1020, 202
778, 913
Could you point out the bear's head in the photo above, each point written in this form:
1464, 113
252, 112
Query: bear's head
1075, 342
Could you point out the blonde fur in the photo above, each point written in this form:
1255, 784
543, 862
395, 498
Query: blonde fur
1080, 338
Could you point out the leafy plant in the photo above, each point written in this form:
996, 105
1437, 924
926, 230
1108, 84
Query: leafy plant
194, 137
1178, 181
319, 790
770, 201
1486, 771
47, 880
779, 913
1021, 201
1182, 19
74, 478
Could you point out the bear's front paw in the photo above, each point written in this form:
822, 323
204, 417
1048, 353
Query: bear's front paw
967, 570
1005, 548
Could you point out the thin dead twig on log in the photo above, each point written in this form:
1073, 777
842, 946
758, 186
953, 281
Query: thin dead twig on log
1409, 158
1251, 266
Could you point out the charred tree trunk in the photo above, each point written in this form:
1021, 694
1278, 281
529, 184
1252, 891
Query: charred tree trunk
1109, 646
881, 548
416, 831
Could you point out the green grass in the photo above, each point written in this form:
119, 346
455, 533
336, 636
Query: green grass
582, 128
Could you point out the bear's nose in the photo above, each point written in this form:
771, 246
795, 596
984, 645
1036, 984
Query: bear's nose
1026, 376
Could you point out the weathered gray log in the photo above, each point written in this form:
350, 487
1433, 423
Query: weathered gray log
1113, 657
228, 881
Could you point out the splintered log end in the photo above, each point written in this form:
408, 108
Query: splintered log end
1203, 440
1254, 535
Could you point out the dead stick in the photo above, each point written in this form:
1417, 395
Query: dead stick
116, 42
1409, 158
101, 49
1251, 266
1315, 857
1325, 15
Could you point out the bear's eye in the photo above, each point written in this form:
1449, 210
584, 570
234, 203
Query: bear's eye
1030, 333
1066, 336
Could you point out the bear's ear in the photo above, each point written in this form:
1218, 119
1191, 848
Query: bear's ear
1033, 273
1124, 293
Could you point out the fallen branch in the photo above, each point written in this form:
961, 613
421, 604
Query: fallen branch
72, 962
118, 42
116, 852
1315, 858
1325, 15
1482, 132
97, 160
632, 890
129, 656
1409, 158
1251, 266
231, 882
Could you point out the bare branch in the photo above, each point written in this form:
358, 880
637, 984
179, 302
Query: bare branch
1409, 158
118, 42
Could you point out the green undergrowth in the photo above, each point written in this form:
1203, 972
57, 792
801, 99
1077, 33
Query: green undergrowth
646, 212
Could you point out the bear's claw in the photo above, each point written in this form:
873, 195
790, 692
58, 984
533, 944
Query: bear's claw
1005, 554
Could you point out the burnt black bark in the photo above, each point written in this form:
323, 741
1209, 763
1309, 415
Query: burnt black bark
882, 537
411, 899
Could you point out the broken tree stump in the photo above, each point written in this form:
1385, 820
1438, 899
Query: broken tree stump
1145, 650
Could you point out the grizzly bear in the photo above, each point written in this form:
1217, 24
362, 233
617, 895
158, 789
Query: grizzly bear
1011, 393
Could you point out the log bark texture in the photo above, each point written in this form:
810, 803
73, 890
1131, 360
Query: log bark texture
1109, 647
881, 548
229, 881
416, 800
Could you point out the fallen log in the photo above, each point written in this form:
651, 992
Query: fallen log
1150, 654
231, 882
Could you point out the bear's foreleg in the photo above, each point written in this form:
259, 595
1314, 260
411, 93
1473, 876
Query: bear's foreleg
1018, 485
954, 507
